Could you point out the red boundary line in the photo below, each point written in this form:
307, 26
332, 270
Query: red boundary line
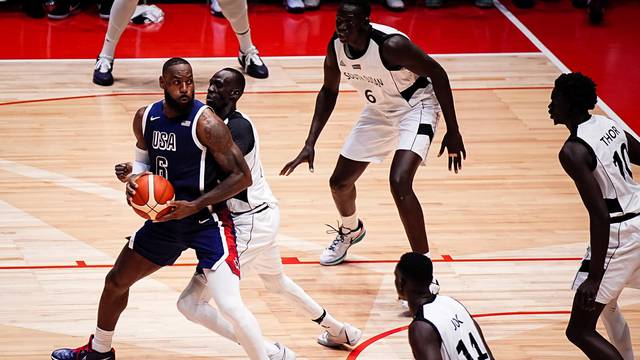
18, 102
81, 264
363, 345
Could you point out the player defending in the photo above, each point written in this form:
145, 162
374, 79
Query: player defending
405, 90
183, 140
596, 156
256, 218
234, 10
442, 328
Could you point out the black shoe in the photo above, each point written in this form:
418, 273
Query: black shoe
595, 11
83, 352
34, 8
105, 8
102, 72
61, 9
524, 4
252, 64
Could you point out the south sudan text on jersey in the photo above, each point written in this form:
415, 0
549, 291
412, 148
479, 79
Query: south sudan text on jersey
369, 79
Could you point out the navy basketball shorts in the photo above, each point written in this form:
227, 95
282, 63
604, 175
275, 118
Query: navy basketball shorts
211, 235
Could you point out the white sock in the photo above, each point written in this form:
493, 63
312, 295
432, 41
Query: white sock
350, 222
245, 41
236, 13
283, 285
194, 305
617, 329
121, 13
102, 340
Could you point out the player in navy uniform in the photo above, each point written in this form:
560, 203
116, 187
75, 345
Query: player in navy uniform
256, 219
596, 156
405, 90
442, 328
184, 141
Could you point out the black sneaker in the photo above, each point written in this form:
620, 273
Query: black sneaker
61, 9
102, 72
595, 11
105, 8
84, 352
252, 64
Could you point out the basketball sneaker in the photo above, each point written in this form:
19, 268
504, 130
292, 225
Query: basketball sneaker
284, 353
102, 72
104, 7
61, 9
215, 9
252, 64
349, 335
83, 353
294, 6
337, 251
311, 4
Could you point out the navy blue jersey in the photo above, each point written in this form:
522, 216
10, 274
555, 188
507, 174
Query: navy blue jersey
175, 152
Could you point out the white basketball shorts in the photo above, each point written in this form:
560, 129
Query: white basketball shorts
622, 263
377, 133
256, 241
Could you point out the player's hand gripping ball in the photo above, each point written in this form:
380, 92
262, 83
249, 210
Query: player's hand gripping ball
151, 197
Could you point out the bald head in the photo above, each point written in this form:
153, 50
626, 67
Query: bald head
225, 89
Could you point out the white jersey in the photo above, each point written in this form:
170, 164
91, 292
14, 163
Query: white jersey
460, 337
383, 87
259, 193
607, 142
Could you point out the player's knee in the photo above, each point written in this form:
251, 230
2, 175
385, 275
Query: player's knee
273, 283
400, 185
187, 306
575, 334
339, 184
114, 282
233, 312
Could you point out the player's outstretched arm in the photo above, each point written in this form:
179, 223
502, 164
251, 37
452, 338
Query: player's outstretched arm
215, 136
424, 341
578, 163
400, 51
325, 103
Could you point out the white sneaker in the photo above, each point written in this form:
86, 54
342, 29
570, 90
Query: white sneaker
294, 6
284, 353
349, 335
395, 5
215, 9
337, 251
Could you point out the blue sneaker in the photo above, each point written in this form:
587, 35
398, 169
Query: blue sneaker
82, 353
102, 72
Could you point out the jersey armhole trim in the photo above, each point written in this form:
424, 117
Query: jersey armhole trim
194, 127
145, 116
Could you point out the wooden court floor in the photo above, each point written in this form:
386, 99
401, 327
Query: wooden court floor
505, 232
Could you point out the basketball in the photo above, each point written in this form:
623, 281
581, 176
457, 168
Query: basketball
152, 195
